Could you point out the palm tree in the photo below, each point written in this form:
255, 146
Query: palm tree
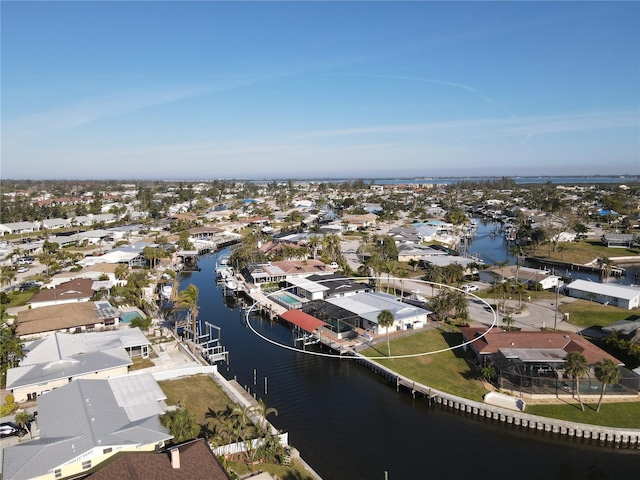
188, 299
181, 424
576, 366
7, 276
386, 320
508, 321
607, 372
22, 419
433, 275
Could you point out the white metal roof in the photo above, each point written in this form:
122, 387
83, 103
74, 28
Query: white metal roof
610, 289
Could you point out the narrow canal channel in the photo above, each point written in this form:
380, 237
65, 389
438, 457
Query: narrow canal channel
350, 424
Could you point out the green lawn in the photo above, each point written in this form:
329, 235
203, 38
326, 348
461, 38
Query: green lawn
586, 314
581, 252
447, 371
624, 415
199, 394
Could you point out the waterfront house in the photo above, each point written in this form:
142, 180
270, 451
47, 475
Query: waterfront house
276, 272
186, 461
620, 240
86, 422
622, 296
321, 287
533, 362
531, 277
69, 317
60, 358
362, 309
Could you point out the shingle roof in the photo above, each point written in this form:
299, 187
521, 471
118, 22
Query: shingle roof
496, 340
197, 461
55, 317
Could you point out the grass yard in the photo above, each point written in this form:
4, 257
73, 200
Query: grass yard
586, 314
581, 252
199, 394
140, 363
447, 371
292, 472
624, 415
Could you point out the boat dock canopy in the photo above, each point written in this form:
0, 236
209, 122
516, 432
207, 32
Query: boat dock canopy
303, 320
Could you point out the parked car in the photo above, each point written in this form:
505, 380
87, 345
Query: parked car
470, 287
23, 269
10, 429
30, 284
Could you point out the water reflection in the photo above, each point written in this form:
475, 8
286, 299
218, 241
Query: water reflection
351, 424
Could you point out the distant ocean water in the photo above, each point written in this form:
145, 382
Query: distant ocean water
621, 179
518, 180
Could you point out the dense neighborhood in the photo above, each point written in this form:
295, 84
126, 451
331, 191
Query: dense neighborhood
88, 269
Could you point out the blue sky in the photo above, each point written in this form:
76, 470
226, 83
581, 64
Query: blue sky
204, 90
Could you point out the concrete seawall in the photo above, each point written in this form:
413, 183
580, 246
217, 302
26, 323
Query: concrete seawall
593, 434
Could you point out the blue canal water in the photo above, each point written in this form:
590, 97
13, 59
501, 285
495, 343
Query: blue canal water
350, 424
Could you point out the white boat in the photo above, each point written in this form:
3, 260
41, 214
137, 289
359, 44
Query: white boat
223, 270
230, 286
165, 291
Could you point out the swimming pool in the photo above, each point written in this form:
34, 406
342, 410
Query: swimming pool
287, 300
128, 316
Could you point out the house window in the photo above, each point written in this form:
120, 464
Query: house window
107, 450
86, 465
57, 473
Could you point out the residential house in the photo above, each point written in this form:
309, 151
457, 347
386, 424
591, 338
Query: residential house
69, 317
60, 358
275, 272
362, 309
533, 362
360, 222
526, 275
622, 296
87, 422
187, 461
73, 291
55, 223
19, 228
620, 240
321, 287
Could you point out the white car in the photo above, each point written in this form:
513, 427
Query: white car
470, 288
23, 269
333, 265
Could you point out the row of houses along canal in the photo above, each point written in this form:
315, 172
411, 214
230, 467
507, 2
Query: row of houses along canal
352, 423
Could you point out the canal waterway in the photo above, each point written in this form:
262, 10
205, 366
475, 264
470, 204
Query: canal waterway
493, 248
349, 423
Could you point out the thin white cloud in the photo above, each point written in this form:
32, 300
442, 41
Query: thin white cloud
90, 110
522, 127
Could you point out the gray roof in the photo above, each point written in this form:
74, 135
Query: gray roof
78, 417
369, 305
535, 355
610, 289
70, 367
64, 355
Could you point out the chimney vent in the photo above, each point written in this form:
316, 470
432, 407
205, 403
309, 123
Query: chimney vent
175, 457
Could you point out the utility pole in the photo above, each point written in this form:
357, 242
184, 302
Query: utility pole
555, 317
